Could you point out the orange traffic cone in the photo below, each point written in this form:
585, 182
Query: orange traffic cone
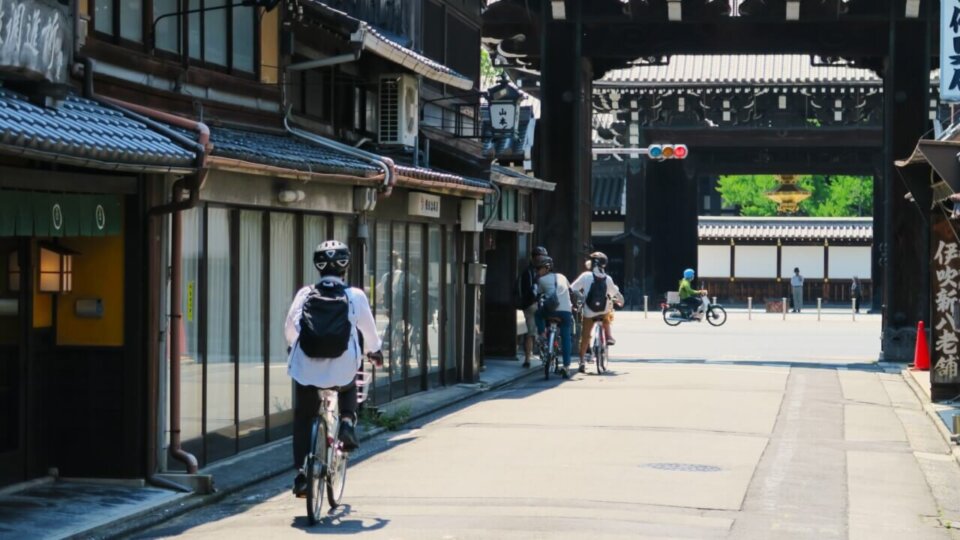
921, 354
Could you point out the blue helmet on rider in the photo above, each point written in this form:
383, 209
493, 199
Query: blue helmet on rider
688, 273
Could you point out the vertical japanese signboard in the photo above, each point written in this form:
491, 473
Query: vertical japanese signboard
946, 293
36, 38
950, 50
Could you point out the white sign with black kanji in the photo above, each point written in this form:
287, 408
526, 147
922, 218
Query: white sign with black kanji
950, 50
503, 116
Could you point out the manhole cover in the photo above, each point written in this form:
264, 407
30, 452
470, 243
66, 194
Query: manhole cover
683, 467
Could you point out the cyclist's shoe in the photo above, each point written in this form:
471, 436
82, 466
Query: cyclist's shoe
564, 373
611, 342
300, 485
582, 368
348, 436
525, 365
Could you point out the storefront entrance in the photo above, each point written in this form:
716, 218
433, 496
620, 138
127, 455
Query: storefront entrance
13, 354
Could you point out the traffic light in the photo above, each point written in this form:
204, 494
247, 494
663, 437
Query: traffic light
661, 152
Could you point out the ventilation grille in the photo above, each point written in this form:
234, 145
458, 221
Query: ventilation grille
389, 111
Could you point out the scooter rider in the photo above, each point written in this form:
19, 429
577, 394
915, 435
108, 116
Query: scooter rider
690, 298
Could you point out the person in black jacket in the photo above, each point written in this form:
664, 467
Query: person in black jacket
525, 293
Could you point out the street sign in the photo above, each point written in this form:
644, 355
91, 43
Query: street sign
950, 50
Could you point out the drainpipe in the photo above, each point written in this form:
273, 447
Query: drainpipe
383, 163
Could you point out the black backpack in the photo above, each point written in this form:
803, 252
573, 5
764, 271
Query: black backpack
523, 294
597, 295
325, 325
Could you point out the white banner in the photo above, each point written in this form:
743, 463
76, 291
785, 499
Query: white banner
950, 50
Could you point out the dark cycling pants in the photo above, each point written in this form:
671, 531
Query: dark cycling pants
306, 401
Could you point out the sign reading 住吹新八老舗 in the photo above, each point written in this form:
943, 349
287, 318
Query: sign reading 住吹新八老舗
424, 204
946, 289
950, 50
36, 37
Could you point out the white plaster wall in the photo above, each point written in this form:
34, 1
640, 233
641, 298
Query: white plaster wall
755, 262
713, 261
809, 259
846, 262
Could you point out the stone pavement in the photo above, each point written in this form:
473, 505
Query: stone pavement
91, 509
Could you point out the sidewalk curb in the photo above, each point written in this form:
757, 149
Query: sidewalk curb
152, 517
927, 406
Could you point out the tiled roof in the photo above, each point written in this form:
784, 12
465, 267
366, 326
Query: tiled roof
380, 42
803, 228
607, 186
745, 69
431, 179
86, 132
509, 177
285, 151
511, 145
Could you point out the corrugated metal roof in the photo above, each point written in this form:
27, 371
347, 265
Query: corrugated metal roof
752, 69
285, 151
608, 183
85, 130
793, 229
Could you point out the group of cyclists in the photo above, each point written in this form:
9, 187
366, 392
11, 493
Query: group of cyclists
569, 298
330, 329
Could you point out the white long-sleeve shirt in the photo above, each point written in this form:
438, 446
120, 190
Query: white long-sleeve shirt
327, 373
582, 285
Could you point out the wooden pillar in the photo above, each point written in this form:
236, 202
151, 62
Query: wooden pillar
565, 137
906, 235
633, 220
672, 220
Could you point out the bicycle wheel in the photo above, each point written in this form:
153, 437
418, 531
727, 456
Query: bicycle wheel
716, 315
337, 476
546, 364
601, 359
671, 317
314, 472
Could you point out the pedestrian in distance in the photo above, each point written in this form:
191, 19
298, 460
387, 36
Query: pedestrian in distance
856, 290
796, 284
525, 299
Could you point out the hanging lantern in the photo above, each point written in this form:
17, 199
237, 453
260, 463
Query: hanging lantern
504, 101
788, 195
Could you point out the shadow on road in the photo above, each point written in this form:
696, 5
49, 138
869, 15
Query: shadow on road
338, 521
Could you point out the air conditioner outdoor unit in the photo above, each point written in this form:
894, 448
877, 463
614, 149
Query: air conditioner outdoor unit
399, 113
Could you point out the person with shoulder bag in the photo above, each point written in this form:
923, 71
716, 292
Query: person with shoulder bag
555, 293
525, 299
329, 329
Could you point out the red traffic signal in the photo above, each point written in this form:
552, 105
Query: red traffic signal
667, 151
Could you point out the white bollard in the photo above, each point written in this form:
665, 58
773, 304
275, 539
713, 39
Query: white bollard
784, 308
645, 300
749, 308
714, 299
819, 305
853, 309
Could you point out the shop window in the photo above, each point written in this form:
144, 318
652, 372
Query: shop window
250, 313
382, 294
433, 300
282, 288
191, 364
450, 341
416, 341
396, 333
314, 232
220, 381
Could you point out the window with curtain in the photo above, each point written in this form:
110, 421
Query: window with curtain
250, 313
220, 369
341, 228
127, 14
314, 232
416, 341
191, 364
433, 299
450, 356
282, 289
398, 289
381, 306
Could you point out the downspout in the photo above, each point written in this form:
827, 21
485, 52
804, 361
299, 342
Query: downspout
201, 148
383, 163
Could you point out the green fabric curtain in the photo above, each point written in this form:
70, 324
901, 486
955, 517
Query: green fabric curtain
32, 213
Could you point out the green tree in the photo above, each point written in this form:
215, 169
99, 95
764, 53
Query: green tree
831, 196
487, 71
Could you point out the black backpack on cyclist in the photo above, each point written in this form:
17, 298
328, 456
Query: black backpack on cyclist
325, 325
597, 295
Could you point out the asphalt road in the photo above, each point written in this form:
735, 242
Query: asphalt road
759, 429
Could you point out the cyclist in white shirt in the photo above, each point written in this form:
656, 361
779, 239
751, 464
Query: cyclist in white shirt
596, 270
310, 375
